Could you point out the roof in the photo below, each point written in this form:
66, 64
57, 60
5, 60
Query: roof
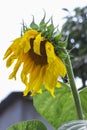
11, 99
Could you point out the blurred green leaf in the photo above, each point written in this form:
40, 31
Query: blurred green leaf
65, 9
56, 110
83, 96
28, 125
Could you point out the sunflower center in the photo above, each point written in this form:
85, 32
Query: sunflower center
38, 59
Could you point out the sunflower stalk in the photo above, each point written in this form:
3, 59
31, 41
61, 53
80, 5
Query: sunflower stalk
73, 86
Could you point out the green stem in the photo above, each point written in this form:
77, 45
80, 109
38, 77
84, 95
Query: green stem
73, 87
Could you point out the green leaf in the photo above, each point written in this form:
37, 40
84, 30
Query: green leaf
63, 44
74, 125
58, 37
33, 25
56, 110
42, 22
60, 53
51, 28
28, 125
83, 96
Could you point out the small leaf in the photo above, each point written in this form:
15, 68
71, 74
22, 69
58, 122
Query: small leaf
33, 25
58, 37
51, 27
43, 20
63, 44
28, 125
62, 54
65, 9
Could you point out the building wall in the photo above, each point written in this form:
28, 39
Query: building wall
20, 110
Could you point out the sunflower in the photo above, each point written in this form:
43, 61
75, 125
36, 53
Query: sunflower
41, 65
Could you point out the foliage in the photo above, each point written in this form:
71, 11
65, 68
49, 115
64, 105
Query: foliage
63, 108
56, 110
28, 125
60, 109
76, 27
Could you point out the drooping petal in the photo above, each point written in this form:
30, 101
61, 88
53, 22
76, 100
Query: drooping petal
50, 52
35, 86
10, 60
25, 42
30, 33
16, 67
55, 69
35, 72
60, 67
33, 79
27, 46
28, 66
41, 66
39, 80
50, 78
12, 48
37, 43
56, 61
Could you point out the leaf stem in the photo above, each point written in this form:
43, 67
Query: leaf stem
73, 86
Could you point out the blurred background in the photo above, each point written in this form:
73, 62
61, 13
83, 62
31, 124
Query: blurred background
71, 18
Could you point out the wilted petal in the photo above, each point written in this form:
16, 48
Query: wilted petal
40, 67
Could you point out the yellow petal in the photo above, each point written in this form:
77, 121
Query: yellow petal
27, 46
29, 33
39, 81
50, 52
58, 85
60, 66
16, 67
24, 78
53, 59
10, 60
28, 66
8, 52
51, 90
12, 48
37, 43
35, 85
40, 91
26, 91
35, 73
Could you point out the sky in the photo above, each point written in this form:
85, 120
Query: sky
12, 12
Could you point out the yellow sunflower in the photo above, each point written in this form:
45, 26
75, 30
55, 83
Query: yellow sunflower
41, 65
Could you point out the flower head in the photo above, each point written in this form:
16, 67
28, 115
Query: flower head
35, 50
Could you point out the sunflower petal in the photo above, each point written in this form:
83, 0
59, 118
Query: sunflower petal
27, 46
41, 66
37, 42
12, 48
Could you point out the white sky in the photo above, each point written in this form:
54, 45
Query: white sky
12, 12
